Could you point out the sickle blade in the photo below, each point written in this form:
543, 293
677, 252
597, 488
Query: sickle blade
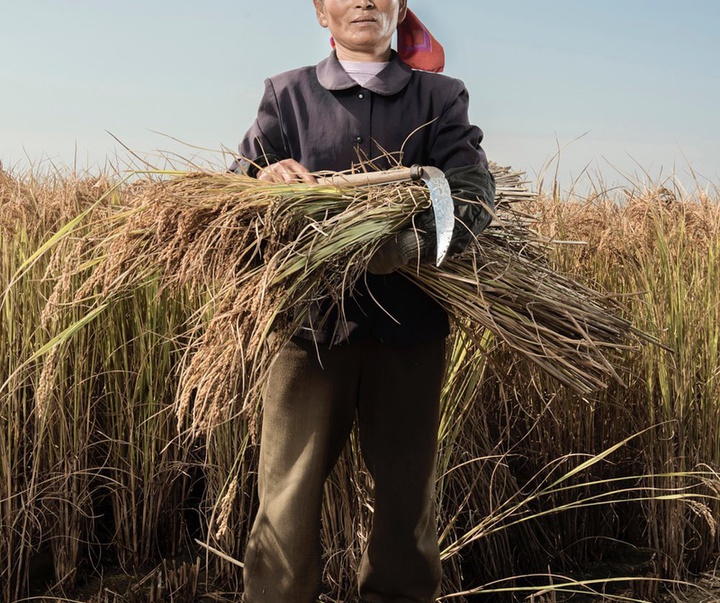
443, 209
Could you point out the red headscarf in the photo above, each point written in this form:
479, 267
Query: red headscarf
416, 45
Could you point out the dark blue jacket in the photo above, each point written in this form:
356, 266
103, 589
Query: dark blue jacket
323, 119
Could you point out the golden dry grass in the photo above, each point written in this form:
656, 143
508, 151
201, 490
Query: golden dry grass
531, 474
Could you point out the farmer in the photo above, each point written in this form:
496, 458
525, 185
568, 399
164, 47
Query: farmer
380, 360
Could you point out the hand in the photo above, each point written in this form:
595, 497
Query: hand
286, 170
397, 251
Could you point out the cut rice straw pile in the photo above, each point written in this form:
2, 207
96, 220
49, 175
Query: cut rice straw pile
260, 254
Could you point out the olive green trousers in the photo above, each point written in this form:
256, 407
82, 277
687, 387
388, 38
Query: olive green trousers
312, 400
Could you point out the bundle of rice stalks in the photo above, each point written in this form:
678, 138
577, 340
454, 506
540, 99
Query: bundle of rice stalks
263, 253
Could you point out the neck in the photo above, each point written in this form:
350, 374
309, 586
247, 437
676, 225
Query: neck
363, 56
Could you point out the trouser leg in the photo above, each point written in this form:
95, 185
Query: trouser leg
308, 414
398, 415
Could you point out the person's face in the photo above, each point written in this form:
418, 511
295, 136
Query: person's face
362, 29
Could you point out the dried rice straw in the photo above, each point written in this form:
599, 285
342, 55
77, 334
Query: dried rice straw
263, 252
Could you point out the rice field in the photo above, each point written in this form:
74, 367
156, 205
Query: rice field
127, 455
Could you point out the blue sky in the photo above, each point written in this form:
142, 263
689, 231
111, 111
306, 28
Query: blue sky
627, 88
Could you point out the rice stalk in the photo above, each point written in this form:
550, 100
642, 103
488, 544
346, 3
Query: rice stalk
229, 457
43, 475
527, 507
660, 257
474, 477
264, 253
18, 487
507, 428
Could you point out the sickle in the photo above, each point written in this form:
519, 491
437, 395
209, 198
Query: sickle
437, 184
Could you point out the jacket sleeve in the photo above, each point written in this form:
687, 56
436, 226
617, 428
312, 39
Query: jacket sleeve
457, 151
265, 141
473, 189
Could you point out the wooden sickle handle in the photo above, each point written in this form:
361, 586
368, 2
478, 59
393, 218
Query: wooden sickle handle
370, 178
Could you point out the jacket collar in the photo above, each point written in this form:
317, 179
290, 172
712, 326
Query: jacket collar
390, 80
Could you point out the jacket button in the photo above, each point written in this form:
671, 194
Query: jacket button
361, 95
359, 139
